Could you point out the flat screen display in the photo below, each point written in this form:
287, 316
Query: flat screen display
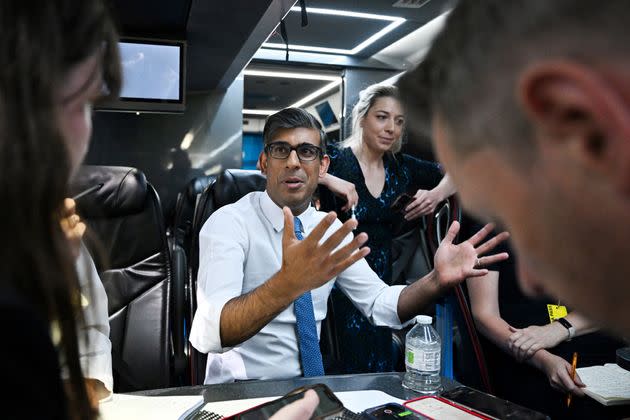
154, 77
151, 71
326, 114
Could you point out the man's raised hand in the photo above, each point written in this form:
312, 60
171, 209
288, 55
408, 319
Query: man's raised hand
308, 264
454, 263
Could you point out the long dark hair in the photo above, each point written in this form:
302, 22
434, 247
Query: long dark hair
40, 40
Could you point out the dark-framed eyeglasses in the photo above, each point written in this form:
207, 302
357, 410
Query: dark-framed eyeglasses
306, 152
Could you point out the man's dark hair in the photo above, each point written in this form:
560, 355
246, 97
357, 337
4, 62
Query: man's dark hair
292, 118
469, 76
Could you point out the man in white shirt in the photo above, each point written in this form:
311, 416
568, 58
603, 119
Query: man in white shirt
254, 266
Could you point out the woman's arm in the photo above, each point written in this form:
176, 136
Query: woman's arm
341, 188
425, 201
523, 343
484, 300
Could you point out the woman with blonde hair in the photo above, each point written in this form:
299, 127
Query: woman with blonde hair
369, 173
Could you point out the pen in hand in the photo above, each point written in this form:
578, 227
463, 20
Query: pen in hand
88, 191
573, 366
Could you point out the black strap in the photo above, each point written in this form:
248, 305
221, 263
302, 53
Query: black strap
304, 15
285, 38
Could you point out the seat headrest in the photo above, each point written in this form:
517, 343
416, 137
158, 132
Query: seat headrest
197, 185
233, 184
124, 191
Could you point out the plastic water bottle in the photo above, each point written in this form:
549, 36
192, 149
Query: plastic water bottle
422, 357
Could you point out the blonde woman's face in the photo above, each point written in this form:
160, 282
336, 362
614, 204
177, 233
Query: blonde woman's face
383, 124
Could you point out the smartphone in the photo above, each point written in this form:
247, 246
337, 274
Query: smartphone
491, 405
439, 408
401, 202
392, 411
328, 408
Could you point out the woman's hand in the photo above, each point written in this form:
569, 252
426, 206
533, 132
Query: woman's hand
343, 189
424, 202
523, 343
72, 226
558, 372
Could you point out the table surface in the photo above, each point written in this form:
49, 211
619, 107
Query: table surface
390, 383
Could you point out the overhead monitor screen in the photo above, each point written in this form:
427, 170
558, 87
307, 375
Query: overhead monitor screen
326, 114
151, 71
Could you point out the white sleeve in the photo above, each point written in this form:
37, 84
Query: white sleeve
376, 300
95, 349
222, 250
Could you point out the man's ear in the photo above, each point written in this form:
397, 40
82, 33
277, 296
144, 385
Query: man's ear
323, 166
578, 107
262, 162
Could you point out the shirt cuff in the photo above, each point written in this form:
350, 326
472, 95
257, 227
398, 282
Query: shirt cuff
386, 308
205, 333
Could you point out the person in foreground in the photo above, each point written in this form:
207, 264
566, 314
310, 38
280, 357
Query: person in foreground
268, 263
54, 59
530, 107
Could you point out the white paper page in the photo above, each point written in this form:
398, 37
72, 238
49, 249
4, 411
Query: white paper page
356, 401
609, 381
133, 407
440, 410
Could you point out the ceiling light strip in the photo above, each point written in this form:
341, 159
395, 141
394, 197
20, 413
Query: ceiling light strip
294, 47
316, 94
334, 12
380, 34
395, 22
259, 111
288, 75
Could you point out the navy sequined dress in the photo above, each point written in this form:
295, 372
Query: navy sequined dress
372, 351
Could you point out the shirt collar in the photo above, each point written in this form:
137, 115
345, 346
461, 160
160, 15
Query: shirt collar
274, 214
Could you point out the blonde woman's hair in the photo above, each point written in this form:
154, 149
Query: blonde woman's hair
367, 97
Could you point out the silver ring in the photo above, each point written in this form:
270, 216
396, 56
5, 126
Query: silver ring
477, 263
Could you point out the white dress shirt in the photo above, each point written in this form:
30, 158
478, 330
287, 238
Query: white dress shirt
240, 248
95, 355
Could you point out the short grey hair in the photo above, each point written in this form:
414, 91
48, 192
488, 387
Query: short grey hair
470, 73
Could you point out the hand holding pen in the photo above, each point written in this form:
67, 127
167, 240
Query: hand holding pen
573, 367
71, 223
72, 226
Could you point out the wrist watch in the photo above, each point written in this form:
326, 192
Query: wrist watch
566, 324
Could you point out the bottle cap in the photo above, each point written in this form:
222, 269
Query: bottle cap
424, 319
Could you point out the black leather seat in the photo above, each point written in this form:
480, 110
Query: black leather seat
133, 260
185, 210
229, 187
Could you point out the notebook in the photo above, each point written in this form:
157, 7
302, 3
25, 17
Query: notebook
132, 407
608, 384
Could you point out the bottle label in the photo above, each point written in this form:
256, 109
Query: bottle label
421, 359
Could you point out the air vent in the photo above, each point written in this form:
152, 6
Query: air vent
410, 4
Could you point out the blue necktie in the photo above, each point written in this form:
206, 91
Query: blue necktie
308, 341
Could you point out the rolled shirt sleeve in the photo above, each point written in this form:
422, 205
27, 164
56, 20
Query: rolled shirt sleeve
222, 250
